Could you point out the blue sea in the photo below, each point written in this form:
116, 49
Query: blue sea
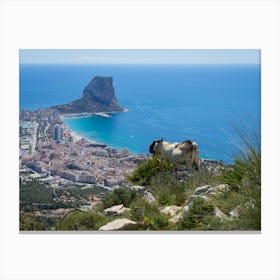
176, 102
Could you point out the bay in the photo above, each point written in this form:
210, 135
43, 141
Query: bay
176, 102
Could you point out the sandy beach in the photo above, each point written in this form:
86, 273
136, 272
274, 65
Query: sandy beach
75, 136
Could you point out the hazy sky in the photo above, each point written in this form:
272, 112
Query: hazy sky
56, 56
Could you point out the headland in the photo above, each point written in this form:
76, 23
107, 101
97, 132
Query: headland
51, 149
98, 97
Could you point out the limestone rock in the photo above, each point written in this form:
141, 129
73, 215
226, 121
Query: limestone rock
98, 96
100, 90
120, 224
170, 210
115, 210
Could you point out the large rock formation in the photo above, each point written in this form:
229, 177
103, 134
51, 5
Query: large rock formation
98, 96
171, 210
120, 224
115, 210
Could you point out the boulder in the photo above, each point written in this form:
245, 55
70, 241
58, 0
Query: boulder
115, 210
170, 210
120, 224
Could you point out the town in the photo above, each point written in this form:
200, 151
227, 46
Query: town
50, 153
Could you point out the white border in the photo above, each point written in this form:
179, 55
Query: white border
135, 24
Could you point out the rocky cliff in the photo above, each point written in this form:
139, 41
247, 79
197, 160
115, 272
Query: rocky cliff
98, 96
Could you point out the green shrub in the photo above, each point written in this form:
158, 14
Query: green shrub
119, 196
200, 216
148, 216
247, 163
167, 189
80, 220
227, 200
143, 174
244, 172
244, 178
249, 218
28, 221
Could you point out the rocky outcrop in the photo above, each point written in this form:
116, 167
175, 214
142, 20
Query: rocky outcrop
170, 210
98, 96
115, 210
120, 224
204, 192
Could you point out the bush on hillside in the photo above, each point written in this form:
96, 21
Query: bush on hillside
148, 216
119, 196
244, 178
247, 163
80, 220
28, 221
167, 190
143, 174
200, 216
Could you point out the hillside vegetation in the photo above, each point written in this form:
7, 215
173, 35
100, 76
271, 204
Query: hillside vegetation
157, 197
228, 198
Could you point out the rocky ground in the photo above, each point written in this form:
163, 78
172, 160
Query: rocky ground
173, 212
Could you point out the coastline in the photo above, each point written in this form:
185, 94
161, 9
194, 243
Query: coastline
76, 137
87, 115
58, 118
